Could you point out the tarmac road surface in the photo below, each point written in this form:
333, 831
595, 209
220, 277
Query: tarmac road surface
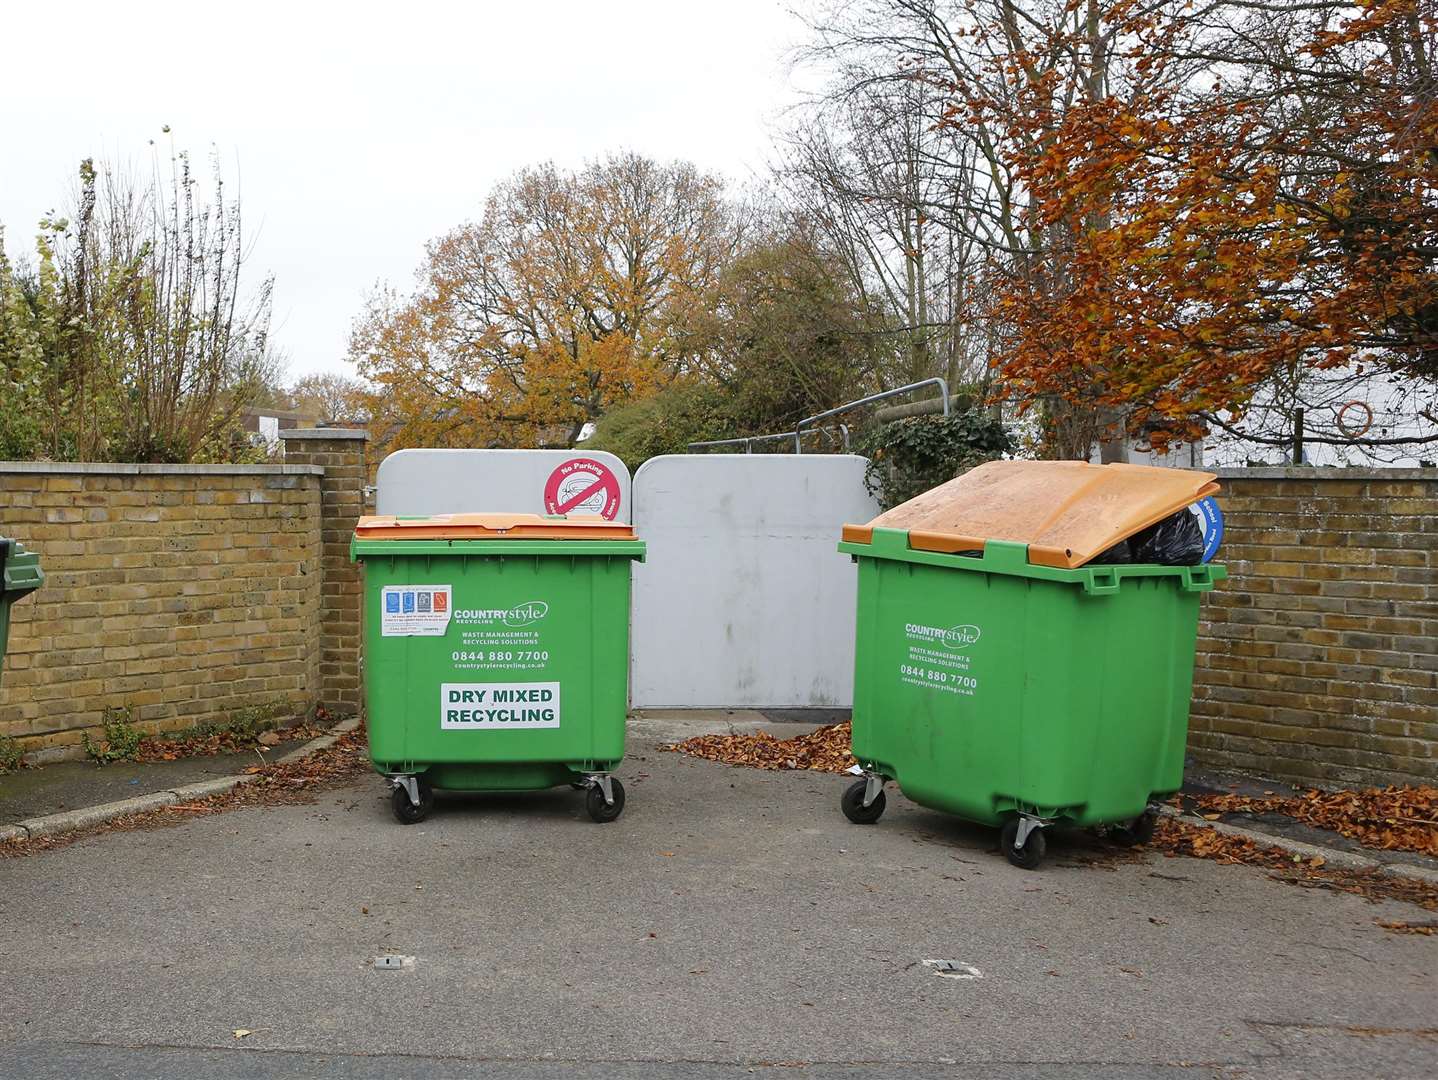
730, 924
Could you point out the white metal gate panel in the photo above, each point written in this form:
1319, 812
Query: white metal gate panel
413, 482
744, 601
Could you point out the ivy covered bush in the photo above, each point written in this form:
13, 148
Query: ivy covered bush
908, 457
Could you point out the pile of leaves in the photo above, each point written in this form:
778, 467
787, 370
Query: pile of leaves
1390, 818
1175, 837
824, 750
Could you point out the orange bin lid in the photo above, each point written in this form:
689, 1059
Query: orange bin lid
492, 527
1067, 512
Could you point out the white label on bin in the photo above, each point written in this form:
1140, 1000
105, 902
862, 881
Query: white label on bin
505, 706
410, 610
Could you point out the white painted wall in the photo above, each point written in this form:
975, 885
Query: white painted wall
481, 481
744, 601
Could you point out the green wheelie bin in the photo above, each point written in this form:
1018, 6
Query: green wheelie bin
20, 575
998, 677
496, 654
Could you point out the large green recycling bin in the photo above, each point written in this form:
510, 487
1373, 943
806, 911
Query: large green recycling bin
1020, 695
20, 575
496, 654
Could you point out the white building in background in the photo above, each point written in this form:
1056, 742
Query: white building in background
1345, 403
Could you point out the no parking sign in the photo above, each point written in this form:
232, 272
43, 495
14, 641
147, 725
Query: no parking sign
583, 486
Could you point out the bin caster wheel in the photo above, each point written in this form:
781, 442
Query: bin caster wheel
600, 810
1031, 854
1137, 831
853, 804
406, 812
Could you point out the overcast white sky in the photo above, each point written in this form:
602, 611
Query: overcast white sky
358, 131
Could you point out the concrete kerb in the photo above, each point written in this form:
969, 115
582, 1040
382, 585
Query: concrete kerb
70, 820
675, 725
1343, 860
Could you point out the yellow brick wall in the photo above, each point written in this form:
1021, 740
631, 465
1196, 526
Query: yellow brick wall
340, 453
1318, 658
187, 594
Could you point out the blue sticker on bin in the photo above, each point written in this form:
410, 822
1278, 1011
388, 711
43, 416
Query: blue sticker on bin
408, 602
391, 602
1210, 523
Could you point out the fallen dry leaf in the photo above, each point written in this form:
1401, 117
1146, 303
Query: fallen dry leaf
240, 1033
823, 750
179, 745
1398, 926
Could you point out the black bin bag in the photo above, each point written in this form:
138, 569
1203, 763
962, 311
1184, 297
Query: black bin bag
1175, 541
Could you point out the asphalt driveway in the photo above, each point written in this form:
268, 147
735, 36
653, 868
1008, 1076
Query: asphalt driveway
731, 923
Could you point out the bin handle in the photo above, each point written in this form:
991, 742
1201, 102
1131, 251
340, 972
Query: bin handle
1197, 579
1005, 554
1101, 581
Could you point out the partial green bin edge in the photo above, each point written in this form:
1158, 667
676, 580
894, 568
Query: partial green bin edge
22, 573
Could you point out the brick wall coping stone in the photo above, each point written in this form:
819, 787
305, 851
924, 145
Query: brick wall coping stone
1309, 472
324, 433
103, 468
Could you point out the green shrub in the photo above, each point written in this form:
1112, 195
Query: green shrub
122, 741
664, 424
908, 457
10, 754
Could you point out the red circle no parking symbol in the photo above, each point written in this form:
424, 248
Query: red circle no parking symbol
582, 486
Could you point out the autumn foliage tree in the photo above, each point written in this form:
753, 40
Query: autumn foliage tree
1272, 209
781, 334
329, 396
570, 295
974, 90
1157, 216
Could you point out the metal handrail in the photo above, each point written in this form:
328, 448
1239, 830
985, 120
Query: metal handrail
745, 441
723, 442
798, 431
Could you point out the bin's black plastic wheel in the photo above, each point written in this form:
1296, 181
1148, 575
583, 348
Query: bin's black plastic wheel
600, 810
1031, 854
853, 804
405, 812
1137, 831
